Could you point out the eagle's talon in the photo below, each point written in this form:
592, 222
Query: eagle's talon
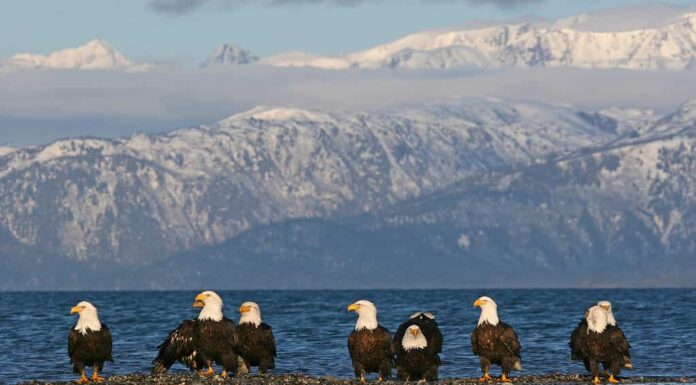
613, 380
208, 373
505, 378
596, 381
486, 377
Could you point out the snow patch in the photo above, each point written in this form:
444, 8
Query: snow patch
94, 55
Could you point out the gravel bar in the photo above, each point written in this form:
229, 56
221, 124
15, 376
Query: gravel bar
301, 379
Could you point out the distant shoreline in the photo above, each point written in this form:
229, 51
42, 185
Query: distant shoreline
362, 289
301, 379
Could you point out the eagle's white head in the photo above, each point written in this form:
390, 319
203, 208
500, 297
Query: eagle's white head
413, 338
489, 311
87, 317
367, 314
606, 305
596, 319
250, 313
211, 305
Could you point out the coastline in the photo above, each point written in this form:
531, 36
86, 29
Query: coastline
302, 379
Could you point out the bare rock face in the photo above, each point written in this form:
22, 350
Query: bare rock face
553, 191
229, 54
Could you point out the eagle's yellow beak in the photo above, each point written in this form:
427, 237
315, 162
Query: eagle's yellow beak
353, 307
414, 332
75, 309
198, 301
244, 309
478, 303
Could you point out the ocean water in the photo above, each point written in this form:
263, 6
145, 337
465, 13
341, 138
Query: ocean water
311, 327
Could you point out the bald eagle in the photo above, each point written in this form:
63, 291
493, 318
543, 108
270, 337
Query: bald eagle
198, 343
576, 338
369, 345
89, 342
602, 343
256, 343
406, 366
495, 342
415, 358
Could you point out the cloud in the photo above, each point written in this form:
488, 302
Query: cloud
179, 7
175, 6
504, 4
39, 106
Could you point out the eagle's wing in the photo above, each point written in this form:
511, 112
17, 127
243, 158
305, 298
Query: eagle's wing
509, 338
619, 341
73, 341
475, 342
385, 342
437, 338
229, 332
180, 345
268, 339
399, 336
575, 343
105, 341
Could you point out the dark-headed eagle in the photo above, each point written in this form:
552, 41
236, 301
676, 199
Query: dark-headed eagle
89, 342
198, 343
495, 342
370, 344
417, 344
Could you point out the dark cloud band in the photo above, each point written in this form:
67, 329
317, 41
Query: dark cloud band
184, 6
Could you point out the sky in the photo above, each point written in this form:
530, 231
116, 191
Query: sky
37, 106
187, 30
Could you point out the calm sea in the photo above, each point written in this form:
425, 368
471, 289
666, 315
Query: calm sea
311, 327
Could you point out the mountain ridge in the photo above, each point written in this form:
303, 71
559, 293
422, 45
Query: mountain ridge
521, 45
551, 191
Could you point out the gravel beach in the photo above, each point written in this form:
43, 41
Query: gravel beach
300, 379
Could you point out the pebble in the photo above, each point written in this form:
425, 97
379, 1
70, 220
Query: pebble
301, 379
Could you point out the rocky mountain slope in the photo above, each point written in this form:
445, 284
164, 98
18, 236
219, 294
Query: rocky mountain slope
461, 194
620, 214
229, 54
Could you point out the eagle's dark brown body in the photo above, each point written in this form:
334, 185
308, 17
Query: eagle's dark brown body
91, 349
198, 343
497, 345
371, 351
257, 346
417, 364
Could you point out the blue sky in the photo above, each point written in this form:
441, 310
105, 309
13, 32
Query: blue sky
187, 30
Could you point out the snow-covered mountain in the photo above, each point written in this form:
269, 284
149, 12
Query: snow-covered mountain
670, 46
94, 55
474, 185
157, 194
229, 54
